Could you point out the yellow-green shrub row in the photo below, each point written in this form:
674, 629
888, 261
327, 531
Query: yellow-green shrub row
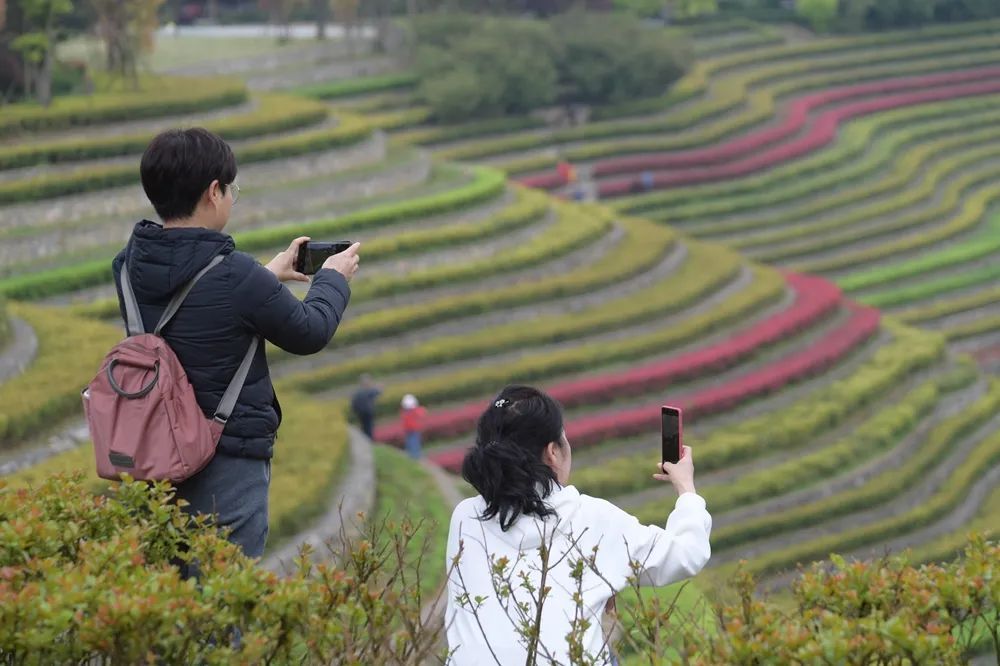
943, 438
570, 231
857, 224
486, 184
310, 455
647, 245
987, 324
909, 351
932, 311
767, 287
397, 483
350, 130
69, 352
529, 206
161, 96
973, 209
947, 497
761, 105
846, 162
950, 546
905, 168
274, 113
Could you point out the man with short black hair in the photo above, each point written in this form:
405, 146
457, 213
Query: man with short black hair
190, 178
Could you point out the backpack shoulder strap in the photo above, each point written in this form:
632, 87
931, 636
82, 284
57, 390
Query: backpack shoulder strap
133, 319
175, 303
232, 393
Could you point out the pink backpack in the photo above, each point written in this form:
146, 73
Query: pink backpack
141, 408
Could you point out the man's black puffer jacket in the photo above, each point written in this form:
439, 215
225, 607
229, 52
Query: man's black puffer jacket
231, 303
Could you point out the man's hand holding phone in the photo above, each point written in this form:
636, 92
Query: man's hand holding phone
283, 264
346, 263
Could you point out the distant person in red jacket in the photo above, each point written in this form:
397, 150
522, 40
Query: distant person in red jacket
413, 417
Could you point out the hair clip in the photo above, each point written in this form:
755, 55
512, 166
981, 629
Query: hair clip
502, 402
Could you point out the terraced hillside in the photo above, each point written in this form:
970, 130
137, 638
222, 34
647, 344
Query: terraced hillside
815, 418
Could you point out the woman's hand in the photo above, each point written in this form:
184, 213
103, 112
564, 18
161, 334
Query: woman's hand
283, 264
681, 473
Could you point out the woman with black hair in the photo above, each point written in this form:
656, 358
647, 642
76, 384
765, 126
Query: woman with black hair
528, 528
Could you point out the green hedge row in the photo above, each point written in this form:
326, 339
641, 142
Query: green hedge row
878, 490
358, 86
844, 163
984, 243
528, 207
543, 365
909, 351
487, 184
69, 352
950, 546
962, 173
951, 492
646, 244
88, 179
274, 113
569, 232
935, 287
646, 247
974, 207
981, 326
436, 134
947, 155
936, 310
160, 96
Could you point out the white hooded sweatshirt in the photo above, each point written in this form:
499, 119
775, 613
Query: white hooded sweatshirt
488, 635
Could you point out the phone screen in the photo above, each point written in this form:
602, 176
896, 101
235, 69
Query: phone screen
671, 433
312, 254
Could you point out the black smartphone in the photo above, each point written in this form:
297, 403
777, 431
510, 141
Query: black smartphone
312, 254
671, 428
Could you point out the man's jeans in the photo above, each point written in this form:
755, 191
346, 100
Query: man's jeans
413, 444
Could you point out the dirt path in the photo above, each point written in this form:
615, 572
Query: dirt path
19, 351
354, 494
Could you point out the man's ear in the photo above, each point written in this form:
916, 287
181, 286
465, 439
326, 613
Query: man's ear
214, 193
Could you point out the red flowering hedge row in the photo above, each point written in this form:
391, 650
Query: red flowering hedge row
794, 121
822, 133
815, 298
824, 353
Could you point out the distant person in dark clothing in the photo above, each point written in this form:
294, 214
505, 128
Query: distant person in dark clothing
363, 405
190, 178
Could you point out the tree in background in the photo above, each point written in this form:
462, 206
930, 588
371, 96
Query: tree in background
37, 44
280, 12
504, 66
345, 12
820, 14
127, 28
609, 58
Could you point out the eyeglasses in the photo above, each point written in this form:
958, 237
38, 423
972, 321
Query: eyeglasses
236, 191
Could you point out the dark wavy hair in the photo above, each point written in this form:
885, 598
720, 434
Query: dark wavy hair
506, 465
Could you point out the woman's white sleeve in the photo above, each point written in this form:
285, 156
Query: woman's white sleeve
673, 553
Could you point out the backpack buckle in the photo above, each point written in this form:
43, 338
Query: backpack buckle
223, 420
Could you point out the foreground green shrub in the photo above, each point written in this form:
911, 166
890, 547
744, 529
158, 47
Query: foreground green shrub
87, 577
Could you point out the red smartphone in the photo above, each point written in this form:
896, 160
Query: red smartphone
672, 428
